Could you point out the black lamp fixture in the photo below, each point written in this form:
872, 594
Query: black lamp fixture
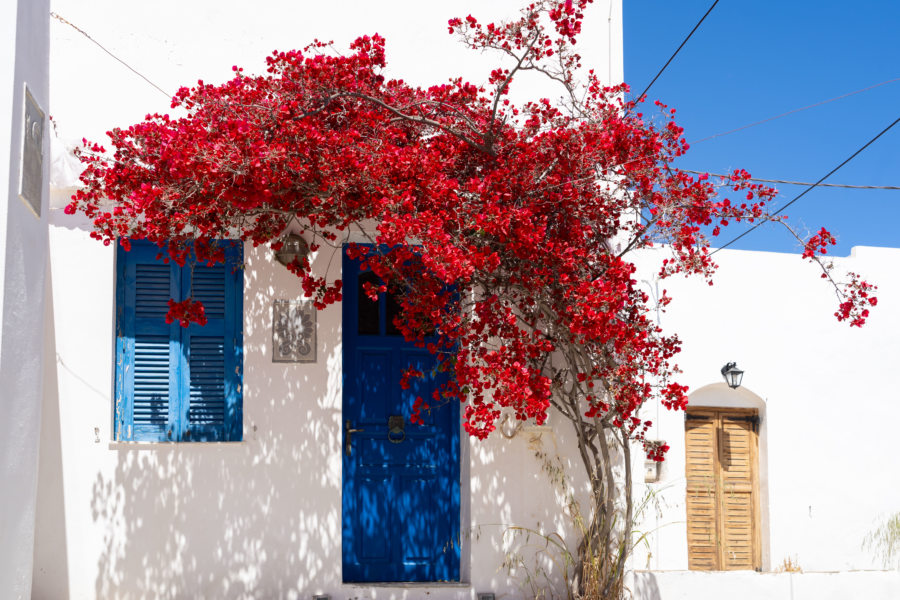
732, 375
293, 247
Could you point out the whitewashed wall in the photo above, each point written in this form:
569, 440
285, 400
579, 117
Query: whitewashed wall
260, 518
826, 395
24, 46
174, 43
747, 585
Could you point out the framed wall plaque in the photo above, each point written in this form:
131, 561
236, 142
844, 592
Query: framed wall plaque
293, 332
32, 170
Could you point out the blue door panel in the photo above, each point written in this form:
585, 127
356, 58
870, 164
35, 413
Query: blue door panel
374, 385
420, 537
423, 452
373, 544
400, 489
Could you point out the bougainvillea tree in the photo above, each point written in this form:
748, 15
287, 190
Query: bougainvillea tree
506, 229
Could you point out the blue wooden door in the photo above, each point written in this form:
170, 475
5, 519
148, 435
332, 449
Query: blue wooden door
400, 487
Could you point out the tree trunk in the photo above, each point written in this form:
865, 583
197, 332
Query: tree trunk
605, 546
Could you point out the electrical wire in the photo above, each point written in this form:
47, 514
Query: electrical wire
99, 45
796, 110
671, 58
833, 185
810, 188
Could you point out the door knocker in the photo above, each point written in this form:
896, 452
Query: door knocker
396, 429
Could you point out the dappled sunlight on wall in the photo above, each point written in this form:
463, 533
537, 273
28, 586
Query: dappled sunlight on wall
261, 518
257, 518
520, 511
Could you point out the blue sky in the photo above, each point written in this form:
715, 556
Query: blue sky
752, 60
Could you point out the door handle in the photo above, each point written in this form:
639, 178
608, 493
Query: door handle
348, 436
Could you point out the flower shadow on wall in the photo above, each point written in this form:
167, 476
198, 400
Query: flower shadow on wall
260, 518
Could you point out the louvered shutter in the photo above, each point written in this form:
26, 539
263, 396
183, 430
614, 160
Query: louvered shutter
700, 471
737, 442
722, 502
175, 383
147, 352
210, 387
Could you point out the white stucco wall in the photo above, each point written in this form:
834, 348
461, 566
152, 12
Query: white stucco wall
824, 391
175, 43
259, 518
747, 585
24, 45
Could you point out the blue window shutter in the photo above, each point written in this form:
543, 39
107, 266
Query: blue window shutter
147, 353
175, 383
211, 384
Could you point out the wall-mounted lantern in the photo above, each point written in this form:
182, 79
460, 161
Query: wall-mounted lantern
732, 375
293, 247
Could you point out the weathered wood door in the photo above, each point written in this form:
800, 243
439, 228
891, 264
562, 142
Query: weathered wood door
722, 489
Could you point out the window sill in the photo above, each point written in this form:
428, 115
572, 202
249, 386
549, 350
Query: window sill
116, 445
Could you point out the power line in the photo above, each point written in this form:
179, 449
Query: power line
99, 45
833, 185
810, 188
671, 58
796, 110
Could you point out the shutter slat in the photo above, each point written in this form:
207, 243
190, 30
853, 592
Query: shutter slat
738, 525
151, 380
208, 286
213, 411
152, 290
737, 494
207, 380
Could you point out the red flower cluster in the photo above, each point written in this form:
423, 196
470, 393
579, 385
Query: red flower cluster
506, 230
818, 244
859, 296
656, 450
186, 312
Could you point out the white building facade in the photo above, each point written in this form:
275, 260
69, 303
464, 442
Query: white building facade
260, 514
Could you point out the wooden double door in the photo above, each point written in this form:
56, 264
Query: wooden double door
722, 448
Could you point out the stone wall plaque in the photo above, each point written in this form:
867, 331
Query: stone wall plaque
32, 171
293, 332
